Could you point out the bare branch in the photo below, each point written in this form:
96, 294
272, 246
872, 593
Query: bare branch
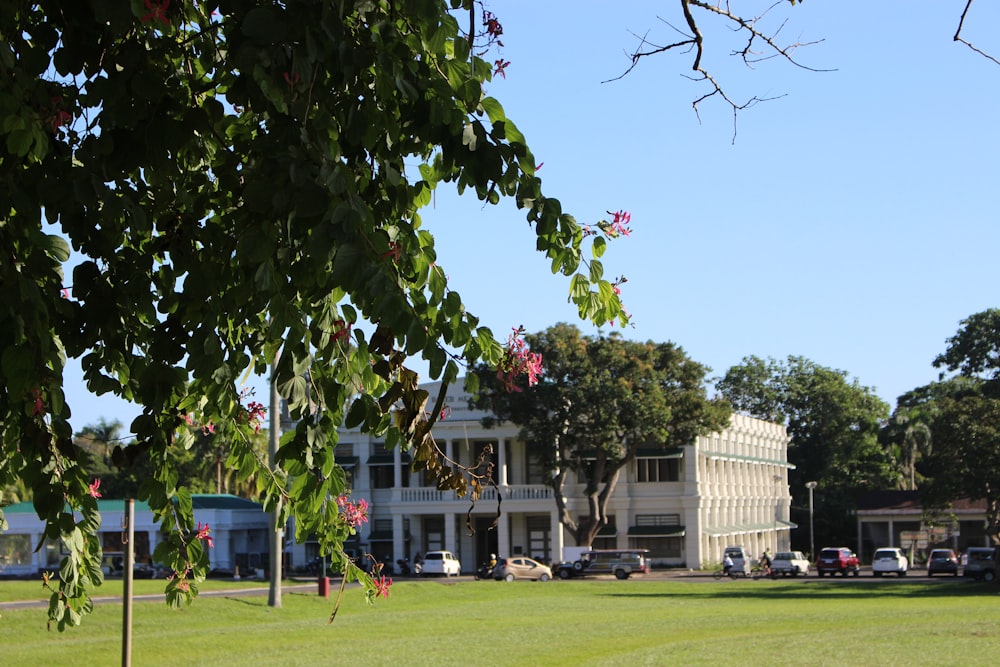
958, 34
760, 46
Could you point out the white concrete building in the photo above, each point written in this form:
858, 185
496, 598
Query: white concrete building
685, 504
238, 527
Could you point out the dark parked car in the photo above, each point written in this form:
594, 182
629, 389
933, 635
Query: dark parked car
837, 559
980, 563
622, 563
942, 561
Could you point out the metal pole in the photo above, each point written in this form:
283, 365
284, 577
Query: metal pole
274, 439
812, 545
129, 535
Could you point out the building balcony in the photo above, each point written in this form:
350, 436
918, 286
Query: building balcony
511, 493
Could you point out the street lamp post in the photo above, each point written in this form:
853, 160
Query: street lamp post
812, 546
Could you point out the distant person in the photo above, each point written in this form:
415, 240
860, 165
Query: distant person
765, 561
727, 564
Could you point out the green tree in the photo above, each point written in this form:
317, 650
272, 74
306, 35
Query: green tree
240, 183
833, 424
906, 436
598, 401
974, 352
965, 459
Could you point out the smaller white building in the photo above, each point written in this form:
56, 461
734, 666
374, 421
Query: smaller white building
238, 527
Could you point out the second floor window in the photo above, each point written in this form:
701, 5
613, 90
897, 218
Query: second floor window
657, 470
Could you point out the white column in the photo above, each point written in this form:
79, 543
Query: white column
556, 530
450, 542
502, 462
398, 541
503, 535
397, 471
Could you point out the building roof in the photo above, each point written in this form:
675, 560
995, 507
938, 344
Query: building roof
199, 501
909, 502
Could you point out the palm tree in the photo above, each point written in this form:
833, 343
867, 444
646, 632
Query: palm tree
912, 440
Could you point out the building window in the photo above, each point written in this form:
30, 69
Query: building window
658, 470
538, 538
15, 550
536, 472
380, 468
433, 534
607, 536
660, 547
382, 477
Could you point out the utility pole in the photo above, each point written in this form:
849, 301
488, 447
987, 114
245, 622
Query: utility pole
274, 439
812, 548
128, 536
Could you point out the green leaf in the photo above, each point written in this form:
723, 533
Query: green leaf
357, 413
598, 247
596, 271
264, 24
57, 247
493, 109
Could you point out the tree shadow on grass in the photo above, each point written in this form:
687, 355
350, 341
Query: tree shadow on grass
806, 590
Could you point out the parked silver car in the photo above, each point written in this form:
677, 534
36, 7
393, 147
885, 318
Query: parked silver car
521, 567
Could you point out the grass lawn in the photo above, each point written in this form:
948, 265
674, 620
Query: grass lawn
596, 622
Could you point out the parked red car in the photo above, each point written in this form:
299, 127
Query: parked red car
837, 559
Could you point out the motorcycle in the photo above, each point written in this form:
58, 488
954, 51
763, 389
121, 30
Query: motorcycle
404, 567
485, 571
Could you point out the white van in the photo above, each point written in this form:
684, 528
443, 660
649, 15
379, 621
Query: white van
741, 559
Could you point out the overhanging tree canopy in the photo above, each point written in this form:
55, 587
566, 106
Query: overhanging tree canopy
236, 178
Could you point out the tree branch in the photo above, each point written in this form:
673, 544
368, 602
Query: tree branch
760, 45
958, 35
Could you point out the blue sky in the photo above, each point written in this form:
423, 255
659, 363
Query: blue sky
852, 221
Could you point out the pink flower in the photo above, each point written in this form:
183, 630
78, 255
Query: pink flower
618, 223
39, 408
394, 251
382, 586
157, 10
499, 67
493, 27
517, 360
94, 486
58, 116
204, 533
342, 330
354, 513
255, 413
208, 428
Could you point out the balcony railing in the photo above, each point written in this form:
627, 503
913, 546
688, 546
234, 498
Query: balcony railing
509, 493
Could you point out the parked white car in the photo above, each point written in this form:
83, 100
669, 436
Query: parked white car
441, 562
741, 559
791, 563
889, 560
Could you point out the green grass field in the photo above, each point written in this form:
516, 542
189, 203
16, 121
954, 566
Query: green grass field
596, 622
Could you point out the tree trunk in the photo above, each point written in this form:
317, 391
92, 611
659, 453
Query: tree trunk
598, 503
